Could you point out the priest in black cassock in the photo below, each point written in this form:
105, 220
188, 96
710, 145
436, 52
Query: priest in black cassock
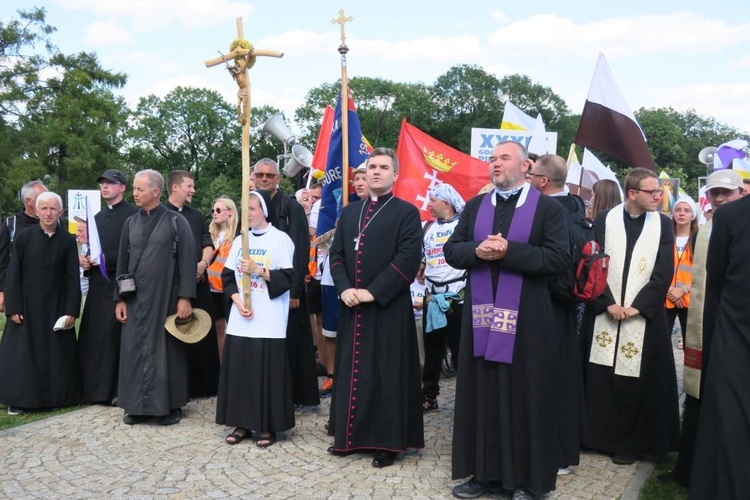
376, 402
39, 365
203, 356
721, 467
157, 249
631, 387
293, 221
512, 240
99, 336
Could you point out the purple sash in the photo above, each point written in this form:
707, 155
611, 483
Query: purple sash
494, 321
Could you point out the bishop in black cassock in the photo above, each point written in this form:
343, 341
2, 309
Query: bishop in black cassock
377, 248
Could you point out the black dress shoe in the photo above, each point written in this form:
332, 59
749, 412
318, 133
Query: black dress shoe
384, 458
339, 453
173, 417
623, 458
135, 419
473, 488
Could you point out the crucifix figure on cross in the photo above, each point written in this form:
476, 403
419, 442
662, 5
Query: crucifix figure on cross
243, 54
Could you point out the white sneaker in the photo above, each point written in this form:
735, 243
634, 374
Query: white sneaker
564, 471
14, 410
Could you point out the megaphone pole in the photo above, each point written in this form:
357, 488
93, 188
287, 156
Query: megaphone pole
343, 49
244, 57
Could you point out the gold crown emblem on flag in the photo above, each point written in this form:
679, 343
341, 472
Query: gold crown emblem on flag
438, 161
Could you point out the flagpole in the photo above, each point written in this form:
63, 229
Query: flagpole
570, 155
343, 49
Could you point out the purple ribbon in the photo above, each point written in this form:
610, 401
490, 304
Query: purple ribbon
494, 320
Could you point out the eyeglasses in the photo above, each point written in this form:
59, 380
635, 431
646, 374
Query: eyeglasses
218, 210
261, 175
656, 193
531, 174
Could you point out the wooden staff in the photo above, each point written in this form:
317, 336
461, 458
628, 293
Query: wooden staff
343, 49
243, 59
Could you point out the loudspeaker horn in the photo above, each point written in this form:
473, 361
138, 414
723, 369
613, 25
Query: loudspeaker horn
706, 155
276, 127
301, 158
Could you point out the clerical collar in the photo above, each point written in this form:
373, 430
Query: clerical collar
173, 206
382, 197
524, 191
505, 194
632, 216
112, 207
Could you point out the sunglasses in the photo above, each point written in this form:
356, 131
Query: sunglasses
261, 175
218, 210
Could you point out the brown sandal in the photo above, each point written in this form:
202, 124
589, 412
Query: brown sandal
236, 437
266, 441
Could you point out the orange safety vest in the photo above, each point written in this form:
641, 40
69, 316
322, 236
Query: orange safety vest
217, 266
683, 273
312, 265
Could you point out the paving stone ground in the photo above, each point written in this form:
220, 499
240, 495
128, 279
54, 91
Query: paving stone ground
91, 453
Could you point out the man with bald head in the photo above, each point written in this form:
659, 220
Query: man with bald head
548, 175
11, 226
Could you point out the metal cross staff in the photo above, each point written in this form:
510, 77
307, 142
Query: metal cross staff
343, 49
243, 54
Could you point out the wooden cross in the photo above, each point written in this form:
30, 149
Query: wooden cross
243, 54
341, 20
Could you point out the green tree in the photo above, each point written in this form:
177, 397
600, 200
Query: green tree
467, 97
188, 129
20, 65
71, 128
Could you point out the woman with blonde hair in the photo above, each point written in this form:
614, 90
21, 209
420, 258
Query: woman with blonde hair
223, 228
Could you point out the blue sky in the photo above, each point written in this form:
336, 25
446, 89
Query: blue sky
681, 54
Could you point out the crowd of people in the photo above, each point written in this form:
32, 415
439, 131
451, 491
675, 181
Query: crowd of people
381, 304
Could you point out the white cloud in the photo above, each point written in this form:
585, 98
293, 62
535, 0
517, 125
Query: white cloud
104, 33
148, 15
499, 16
724, 102
740, 63
549, 34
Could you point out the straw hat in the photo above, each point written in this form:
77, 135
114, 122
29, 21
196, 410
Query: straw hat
191, 329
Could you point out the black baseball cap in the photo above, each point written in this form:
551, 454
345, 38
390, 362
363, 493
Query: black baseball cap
113, 175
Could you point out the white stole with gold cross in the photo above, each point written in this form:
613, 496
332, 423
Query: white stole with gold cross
620, 343
693, 349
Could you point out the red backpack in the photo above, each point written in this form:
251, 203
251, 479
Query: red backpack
590, 277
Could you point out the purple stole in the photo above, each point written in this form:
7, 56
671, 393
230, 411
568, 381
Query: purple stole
494, 321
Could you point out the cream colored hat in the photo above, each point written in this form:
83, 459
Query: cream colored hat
191, 329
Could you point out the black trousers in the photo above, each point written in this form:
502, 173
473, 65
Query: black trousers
677, 312
434, 349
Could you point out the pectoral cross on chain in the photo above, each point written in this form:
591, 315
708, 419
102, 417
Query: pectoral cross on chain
356, 244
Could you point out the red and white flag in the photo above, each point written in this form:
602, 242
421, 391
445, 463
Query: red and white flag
607, 124
425, 162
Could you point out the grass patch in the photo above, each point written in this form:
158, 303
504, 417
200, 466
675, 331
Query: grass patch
9, 421
653, 489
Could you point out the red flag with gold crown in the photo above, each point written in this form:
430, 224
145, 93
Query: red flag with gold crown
425, 162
